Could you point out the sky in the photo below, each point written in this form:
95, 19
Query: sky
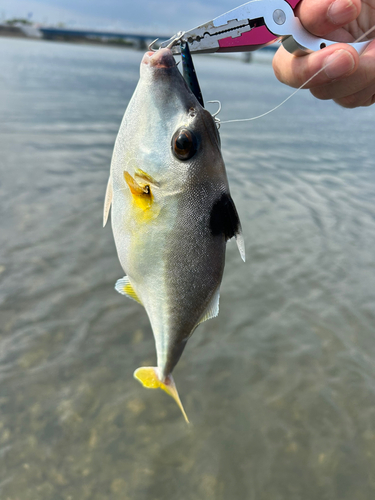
149, 16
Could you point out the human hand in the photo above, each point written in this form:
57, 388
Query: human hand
349, 78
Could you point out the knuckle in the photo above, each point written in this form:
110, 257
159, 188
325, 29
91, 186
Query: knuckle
368, 76
276, 69
285, 68
350, 101
321, 93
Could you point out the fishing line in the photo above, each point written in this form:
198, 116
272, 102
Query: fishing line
299, 88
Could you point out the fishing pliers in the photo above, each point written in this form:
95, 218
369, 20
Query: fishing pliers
252, 26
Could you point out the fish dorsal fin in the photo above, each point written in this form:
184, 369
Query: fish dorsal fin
107, 200
240, 244
224, 220
124, 287
213, 308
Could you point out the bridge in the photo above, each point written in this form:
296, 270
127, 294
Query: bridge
77, 34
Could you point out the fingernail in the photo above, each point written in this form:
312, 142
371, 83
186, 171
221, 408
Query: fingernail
341, 12
339, 64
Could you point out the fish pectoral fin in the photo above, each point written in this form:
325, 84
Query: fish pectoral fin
145, 177
141, 193
149, 378
241, 244
124, 287
213, 308
107, 200
135, 188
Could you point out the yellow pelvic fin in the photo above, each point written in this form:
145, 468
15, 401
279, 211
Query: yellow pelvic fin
148, 376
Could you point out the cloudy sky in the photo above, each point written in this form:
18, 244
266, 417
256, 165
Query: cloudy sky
153, 16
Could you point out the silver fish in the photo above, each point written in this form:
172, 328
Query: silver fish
172, 212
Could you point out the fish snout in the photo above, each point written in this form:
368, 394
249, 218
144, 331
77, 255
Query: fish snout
162, 58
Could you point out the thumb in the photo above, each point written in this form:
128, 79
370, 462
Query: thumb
322, 17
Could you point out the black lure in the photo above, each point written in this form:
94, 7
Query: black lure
189, 73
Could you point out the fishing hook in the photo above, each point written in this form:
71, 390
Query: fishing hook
151, 44
214, 116
176, 40
218, 111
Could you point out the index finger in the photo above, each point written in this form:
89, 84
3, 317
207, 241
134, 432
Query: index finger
333, 62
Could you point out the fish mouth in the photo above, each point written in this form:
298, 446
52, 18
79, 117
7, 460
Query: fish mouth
162, 58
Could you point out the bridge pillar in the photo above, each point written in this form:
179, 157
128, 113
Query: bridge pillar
141, 44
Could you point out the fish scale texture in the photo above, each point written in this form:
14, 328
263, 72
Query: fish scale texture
171, 225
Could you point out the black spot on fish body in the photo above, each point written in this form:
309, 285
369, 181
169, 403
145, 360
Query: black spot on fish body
224, 217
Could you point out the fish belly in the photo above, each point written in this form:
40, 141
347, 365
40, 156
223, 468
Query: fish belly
174, 263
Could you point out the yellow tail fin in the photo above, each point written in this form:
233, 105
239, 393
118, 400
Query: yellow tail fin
148, 376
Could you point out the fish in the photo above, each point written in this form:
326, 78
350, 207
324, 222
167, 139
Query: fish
171, 212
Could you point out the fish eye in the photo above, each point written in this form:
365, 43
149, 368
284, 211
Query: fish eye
184, 144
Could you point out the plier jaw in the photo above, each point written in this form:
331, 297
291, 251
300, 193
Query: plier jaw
252, 26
